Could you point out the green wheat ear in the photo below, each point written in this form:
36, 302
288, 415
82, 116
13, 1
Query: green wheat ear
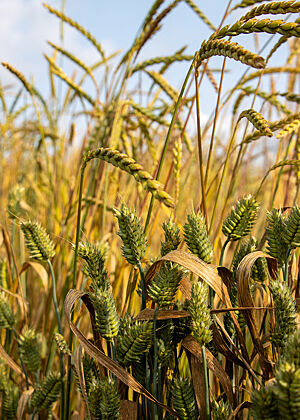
165, 284
241, 219
90, 371
291, 352
132, 235
62, 344
30, 350
287, 390
276, 246
264, 404
107, 320
7, 318
47, 392
220, 410
183, 399
200, 314
37, 240
195, 235
172, 238
285, 313
104, 400
10, 398
134, 341
94, 267
291, 234
110, 401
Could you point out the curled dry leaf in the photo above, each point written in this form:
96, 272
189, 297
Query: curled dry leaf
209, 274
245, 300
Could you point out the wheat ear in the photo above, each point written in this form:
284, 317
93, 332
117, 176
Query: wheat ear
129, 165
273, 8
259, 25
258, 121
228, 49
79, 28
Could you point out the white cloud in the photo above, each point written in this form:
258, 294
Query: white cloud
25, 27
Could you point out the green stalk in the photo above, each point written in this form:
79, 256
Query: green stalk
200, 148
286, 266
69, 379
155, 362
207, 410
223, 250
61, 357
148, 387
143, 286
167, 141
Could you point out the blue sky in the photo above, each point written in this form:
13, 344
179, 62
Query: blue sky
26, 26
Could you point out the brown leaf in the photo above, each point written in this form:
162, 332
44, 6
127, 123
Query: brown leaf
23, 401
80, 374
39, 269
196, 367
244, 404
245, 299
11, 363
194, 347
148, 314
245, 362
207, 272
100, 357
128, 410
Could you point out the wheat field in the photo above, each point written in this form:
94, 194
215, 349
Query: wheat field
149, 259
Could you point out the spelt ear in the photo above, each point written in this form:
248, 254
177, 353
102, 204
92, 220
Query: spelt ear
132, 235
276, 246
196, 238
94, 267
62, 344
291, 232
37, 240
47, 392
107, 320
172, 238
7, 317
200, 313
241, 219
165, 284
30, 350
134, 341
285, 314
183, 398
